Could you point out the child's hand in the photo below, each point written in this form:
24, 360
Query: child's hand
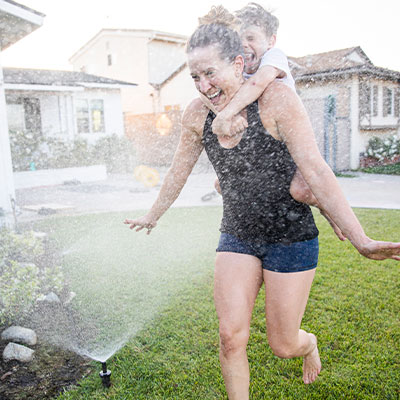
226, 126
239, 125
221, 125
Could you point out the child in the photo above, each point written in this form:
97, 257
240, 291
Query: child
263, 64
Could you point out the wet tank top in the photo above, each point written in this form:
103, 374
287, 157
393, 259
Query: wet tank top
255, 178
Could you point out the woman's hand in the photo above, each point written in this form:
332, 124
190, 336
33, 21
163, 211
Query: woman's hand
377, 250
140, 223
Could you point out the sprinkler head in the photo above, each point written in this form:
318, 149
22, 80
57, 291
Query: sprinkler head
105, 375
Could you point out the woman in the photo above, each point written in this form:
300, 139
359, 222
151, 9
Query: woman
266, 236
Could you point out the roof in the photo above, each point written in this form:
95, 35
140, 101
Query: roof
159, 85
147, 33
352, 60
17, 21
58, 78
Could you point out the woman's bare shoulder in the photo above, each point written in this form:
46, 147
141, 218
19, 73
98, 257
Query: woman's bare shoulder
195, 115
279, 101
277, 93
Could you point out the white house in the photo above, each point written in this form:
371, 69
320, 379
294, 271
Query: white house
63, 104
349, 100
155, 60
16, 21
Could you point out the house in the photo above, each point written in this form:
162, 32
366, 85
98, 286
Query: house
349, 100
63, 104
155, 60
16, 21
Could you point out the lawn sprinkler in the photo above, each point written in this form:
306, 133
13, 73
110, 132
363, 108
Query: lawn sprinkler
105, 375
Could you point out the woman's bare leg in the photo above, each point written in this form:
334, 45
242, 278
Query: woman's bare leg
237, 281
286, 300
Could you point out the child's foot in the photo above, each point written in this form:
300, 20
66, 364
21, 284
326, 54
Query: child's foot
335, 228
311, 363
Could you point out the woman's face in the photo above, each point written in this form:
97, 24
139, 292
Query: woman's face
215, 78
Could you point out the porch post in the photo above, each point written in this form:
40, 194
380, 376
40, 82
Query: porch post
7, 191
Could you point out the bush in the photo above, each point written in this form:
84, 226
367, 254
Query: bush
23, 277
26, 148
31, 150
117, 153
384, 149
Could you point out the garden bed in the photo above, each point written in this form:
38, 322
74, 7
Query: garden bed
51, 372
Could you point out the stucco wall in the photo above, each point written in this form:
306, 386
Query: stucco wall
314, 97
138, 59
180, 90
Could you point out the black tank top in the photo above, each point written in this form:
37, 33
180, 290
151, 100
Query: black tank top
255, 178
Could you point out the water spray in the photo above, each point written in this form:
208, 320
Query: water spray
105, 375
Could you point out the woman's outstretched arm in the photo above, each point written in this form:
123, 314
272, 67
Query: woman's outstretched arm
186, 156
286, 117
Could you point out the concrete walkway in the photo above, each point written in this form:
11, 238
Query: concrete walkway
124, 193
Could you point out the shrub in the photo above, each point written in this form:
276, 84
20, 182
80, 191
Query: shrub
117, 153
384, 149
31, 150
27, 148
23, 276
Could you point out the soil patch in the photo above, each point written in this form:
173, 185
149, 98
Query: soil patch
51, 372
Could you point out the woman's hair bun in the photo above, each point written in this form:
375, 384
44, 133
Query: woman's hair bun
220, 16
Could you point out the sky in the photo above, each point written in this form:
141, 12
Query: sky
306, 26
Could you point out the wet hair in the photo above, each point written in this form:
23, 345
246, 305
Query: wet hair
254, 14
219, 28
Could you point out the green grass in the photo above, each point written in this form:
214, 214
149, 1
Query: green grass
353, 309
393, 169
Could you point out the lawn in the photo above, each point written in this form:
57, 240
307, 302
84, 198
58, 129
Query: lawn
391, 169
353, 309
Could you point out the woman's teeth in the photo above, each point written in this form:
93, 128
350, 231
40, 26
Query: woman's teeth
212, 96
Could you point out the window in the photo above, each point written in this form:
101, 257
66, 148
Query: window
388, 101
375, 101
82, 115
16, 117
109, 59
24, 113
90, 115
97, 114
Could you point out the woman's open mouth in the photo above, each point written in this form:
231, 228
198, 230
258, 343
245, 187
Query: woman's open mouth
214, 97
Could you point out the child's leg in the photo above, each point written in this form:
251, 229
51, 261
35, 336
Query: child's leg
302, 193
217, 186
300, 190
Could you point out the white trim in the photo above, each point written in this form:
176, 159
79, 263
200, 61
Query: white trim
6, 174
105, 85
22, 13
43, 88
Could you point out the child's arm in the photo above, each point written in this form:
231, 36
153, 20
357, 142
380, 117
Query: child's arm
208, 103
235, 125
250, 91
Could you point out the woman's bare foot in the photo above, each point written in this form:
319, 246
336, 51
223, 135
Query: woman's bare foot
311, 363
335, 228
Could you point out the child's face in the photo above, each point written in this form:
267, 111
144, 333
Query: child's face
255, 43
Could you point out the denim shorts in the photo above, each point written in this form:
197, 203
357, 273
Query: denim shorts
277, 257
